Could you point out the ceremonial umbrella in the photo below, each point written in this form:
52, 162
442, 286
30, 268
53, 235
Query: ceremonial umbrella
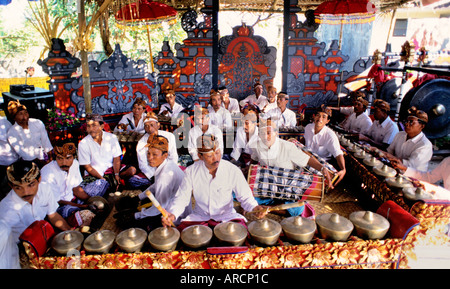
340, 12
148, 14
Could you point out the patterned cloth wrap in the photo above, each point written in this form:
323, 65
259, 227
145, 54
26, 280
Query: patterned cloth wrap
279, 183
93, 187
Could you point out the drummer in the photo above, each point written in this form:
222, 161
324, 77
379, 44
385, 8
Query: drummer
383, 129
211, 182
411, 148
321, 140
358, 121
133, 121
272, 151
168, 177
29, 200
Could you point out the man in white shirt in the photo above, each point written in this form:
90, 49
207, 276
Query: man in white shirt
7, 155
246, 138
9, 251
257, 98
29, 200
358, 121
273, 151
99, 152
134, 120
202, 126
171, 108
284, 117
211, 182
383, 129
151, 126
320, 139
28, 136
439, 173
411, 148
271, 99
229, 103
218, 115
63, 174
168, 177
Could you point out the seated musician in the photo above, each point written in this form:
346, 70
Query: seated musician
320, 139
28, 136
229, 103
271, 99
202, 126
383, 130
99, 153
133, 121
358, 121
347, 110
411, 148
272, 151
151, 125
7, 155
29, 200
257, 98
168, 177
211, 182
63, 174
439, 173
218, 115
284, 116
246, 138
171, 108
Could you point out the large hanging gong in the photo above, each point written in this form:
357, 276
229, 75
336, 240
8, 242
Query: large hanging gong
390, 92
433, 97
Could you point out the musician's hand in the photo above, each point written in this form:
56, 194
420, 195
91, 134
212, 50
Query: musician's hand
260, 211
167, 221
340, 175
122, 126
398, 164
327, 176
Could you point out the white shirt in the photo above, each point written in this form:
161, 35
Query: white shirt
7, 153
61, 181
168, 178
233, 106
325, 143
100, 157
282, 154
287, 118
221, 118
9, 251
415, 152
196, 131
269, 106
127, 118
360, 123
441, 172
242, 145
251, 99
19, 214
30, 143
177, 108
384, 132
213, 196
141, 151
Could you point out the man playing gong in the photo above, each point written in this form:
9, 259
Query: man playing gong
211, 181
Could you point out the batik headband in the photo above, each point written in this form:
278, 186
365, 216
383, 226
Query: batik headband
207, 143
158, 142
30, 176
65, 150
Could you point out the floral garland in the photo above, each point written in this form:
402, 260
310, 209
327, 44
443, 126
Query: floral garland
58, 119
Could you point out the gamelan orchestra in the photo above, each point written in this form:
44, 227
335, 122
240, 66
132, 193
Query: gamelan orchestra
214, 191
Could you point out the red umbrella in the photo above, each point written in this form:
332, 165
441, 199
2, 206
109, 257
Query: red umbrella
148, 14
339, 12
